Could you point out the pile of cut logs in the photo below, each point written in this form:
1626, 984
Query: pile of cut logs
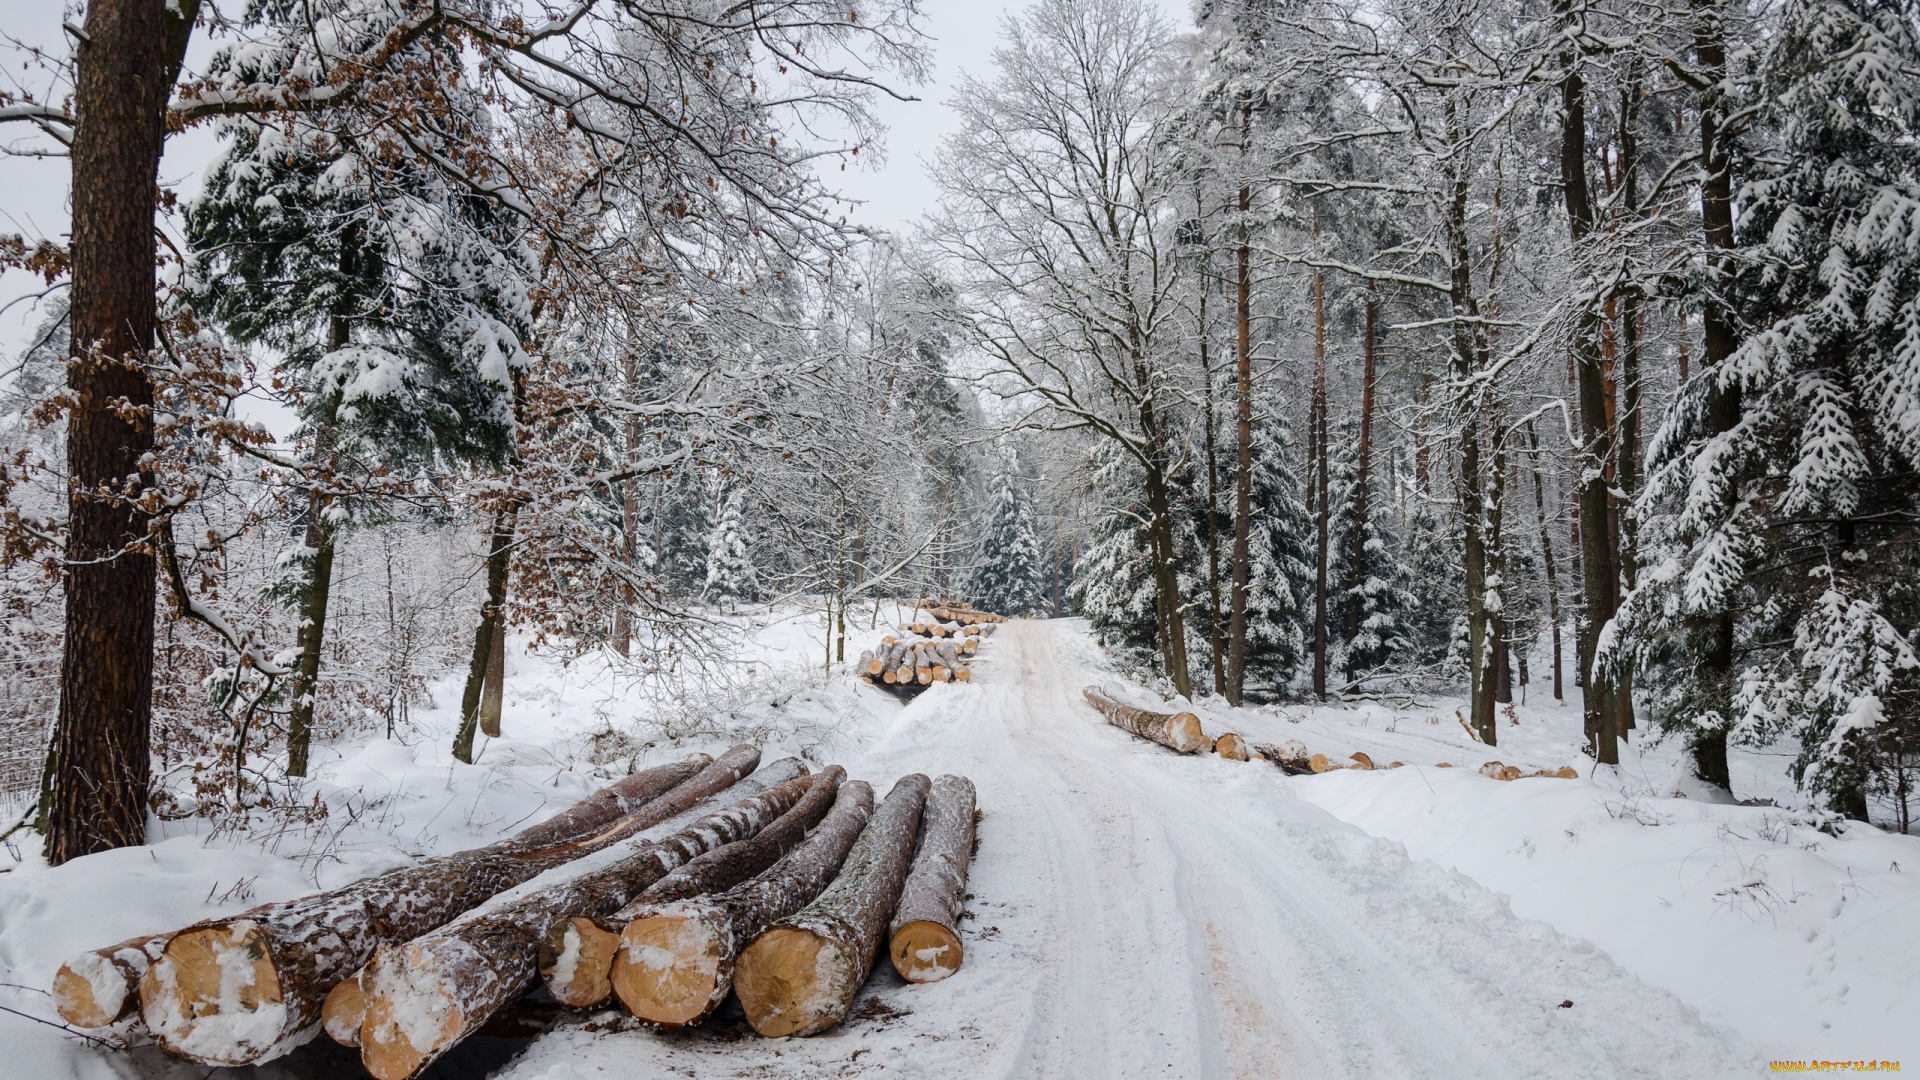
959, 611
782, 891
924, 653
1181, 731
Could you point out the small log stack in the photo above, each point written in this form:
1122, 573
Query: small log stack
924, 937
676, 961
577, 954
908, 666
1175, 731
959, 611
800, 976
426, 995
98, 988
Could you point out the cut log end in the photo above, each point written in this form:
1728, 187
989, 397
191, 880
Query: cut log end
670, 969
925, 952
1231, 746
345, 1009
1184, 734
790, 982
404, 1032
1361, 760
575, 961
214, 996
89, 991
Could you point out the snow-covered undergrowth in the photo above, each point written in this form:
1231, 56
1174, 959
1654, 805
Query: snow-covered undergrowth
1798, 930
568, 728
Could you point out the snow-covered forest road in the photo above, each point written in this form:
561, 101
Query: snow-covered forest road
1141, 914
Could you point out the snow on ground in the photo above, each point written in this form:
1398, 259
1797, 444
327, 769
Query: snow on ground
1133, 913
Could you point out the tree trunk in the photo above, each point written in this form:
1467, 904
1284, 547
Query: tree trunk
924, 937
1363, 480
1243, 433
425, 995
1599, 579
1319, 437
97, 798
492, 622
249, 988
1173, 638
313, 609
676, 961
1546, 555
1218, 621
577, 955
493, 693
1175, 731
799, 977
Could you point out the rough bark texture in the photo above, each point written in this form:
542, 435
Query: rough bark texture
99, 768
492, 620
1176, 731
425, 995
250, 988
799, 977
97, 988
576, 956
924, 937
1291, 756
676, 961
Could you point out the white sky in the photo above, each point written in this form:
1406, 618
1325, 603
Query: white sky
33, 193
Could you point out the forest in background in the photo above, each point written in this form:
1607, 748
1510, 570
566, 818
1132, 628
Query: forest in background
1315, 350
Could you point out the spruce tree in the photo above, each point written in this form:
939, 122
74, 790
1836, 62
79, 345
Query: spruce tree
730, 573
1798, 516
1009, 575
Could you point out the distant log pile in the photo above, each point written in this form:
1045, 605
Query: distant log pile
786, 890
959, 611
907, 663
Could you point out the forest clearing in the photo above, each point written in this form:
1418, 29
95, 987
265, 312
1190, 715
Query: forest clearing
1031, 538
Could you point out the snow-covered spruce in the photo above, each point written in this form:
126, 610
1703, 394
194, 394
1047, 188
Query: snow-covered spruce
799, 976
1176, 731
250, 987
1010, 569
423, 996
576, 956
676, 961
924, 938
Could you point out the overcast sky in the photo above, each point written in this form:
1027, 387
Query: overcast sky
33, 193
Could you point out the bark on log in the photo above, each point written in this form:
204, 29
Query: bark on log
676, 961
1231, 746
924, 937
576, 956
98, 988
1176, 731
800, 976
427, 994
250, 988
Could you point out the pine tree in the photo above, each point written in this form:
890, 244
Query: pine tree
1113, 582
1798, 515
1009, 575
730, 573
1280, 564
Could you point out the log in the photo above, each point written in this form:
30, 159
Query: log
963, 675
343, 1011
799, 976
98, 988
676, 962
924, 937
1176, 731
250, 987
1319, 763
1291, 756
576, 956
1231, 746
1361, 760
425, 995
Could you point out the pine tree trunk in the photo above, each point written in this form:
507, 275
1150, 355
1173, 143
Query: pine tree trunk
313, 609
1218, 620
676, 961
493, 693
249, 988
1175, 731
97, 798
425, 995
924, 936
799, 977
1173, 639
578, 953
1243, 432
1319, 437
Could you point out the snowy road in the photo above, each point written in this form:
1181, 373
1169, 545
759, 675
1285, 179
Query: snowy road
1141, 914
